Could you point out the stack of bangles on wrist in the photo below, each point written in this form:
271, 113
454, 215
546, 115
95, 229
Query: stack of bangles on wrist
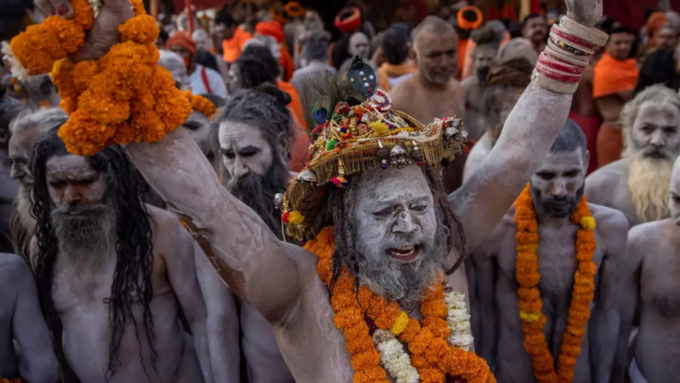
565, 58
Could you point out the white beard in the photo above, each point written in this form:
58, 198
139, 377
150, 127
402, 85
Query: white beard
649, 182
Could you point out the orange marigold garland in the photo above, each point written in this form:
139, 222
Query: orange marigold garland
200, 104
432, 356
530, 302
34, 51
121, 98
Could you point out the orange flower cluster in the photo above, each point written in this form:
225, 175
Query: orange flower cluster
121, 98
431, 355
41, 45
530, 302
200, 104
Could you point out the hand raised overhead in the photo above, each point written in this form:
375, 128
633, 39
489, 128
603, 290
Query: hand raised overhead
586, 12
103, 34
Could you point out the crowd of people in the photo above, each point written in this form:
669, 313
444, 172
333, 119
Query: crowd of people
457, 200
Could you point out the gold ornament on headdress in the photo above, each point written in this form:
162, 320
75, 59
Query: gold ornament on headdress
356, 139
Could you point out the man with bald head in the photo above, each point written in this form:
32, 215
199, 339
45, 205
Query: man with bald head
655, 294
433, 91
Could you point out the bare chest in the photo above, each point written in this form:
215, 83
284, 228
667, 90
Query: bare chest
426, 106
659, 283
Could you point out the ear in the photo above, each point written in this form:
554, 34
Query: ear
282, 147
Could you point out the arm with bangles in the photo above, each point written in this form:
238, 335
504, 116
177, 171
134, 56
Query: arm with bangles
533, 124
248, 256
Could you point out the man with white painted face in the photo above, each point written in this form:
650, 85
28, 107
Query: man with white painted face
254, 134
26, 131
114, 272
555, 189
637, 185
654, 292
397, 220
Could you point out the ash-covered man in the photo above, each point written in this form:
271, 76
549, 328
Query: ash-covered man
637, 185
26, 130
475, 86
114, 272
395, 229
433, 91
504, 324
653, 294
254, 138
359, 45
22, 323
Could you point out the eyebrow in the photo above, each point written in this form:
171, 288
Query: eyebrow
396, 200
245, 149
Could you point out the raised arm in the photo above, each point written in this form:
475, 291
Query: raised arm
608, 326
528, 133
248, 256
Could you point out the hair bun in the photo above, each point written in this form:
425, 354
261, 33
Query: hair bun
282, 97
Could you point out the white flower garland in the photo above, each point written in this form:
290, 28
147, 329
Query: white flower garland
394, 358
459, 321
18, 71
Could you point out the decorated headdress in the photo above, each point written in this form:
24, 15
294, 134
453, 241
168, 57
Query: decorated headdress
469, 18
352, 139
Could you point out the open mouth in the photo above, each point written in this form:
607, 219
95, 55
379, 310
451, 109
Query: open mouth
405, 253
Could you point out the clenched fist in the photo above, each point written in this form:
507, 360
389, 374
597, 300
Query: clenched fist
103, 34
586, 12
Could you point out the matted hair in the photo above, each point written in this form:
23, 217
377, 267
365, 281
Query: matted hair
659, 94
44, 119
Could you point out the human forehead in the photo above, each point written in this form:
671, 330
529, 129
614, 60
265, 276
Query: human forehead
240, 134
359, 38
23, 139
562, 161
658, 114
535, 21
485, 51
618, 37
68, 166
390, 185
429, 41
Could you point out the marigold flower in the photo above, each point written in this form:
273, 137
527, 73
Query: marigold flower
365, 360
140, 29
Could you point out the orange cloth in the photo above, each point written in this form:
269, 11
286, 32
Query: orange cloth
609, 144
286, 62
295, 103
462, 48
612, 76
182, 39
388, 71
655, 21
232, 47
270, 28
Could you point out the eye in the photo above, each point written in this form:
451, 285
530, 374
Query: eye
249, 153
57, 184
670, 130
647, 129
419, 208
384, 212
571, 174
545, 176
85, 182
230, 156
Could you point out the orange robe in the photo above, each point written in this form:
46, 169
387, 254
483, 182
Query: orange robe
286, 62
232, 47
387, 71
612, 76
462, 49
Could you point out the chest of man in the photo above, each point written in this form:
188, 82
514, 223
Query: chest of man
659, 282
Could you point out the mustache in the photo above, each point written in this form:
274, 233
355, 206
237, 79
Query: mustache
656, 152
65, 210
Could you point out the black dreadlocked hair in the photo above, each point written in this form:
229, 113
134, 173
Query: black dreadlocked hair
134, 245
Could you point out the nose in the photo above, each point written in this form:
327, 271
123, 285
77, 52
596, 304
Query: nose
240, 169
71, 195
658, 139
559, 188
405, 224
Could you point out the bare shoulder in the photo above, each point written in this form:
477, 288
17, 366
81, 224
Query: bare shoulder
168, 232
496, 241
469, 82
600, 183
649, 234
162, 219
608, 220
401, 94
12, 265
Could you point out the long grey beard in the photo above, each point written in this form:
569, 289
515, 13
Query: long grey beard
404, 283
23, 208
86, 234
649, 183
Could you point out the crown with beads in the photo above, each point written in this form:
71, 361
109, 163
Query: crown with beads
355, 139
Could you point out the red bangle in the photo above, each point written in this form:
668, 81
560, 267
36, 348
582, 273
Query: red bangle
557, 65
572, 39
547, 72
